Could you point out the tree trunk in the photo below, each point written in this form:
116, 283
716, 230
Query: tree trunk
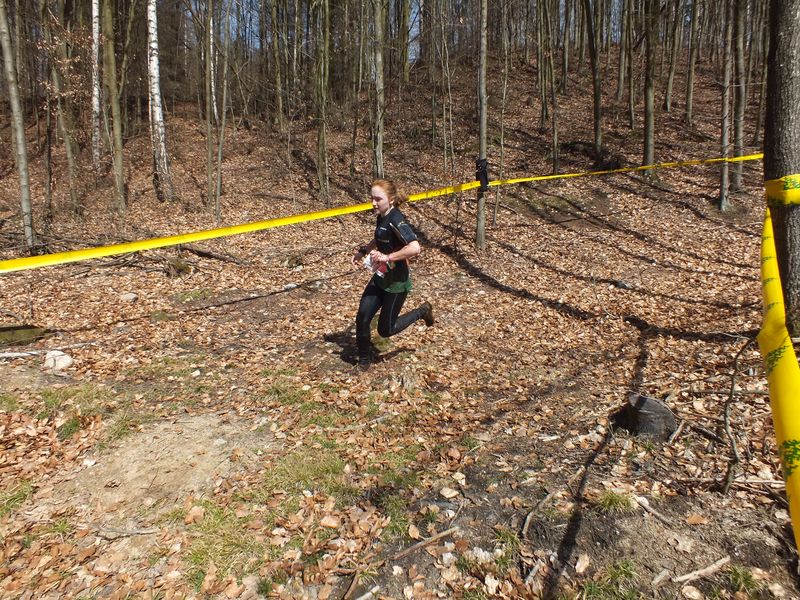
677, 34
591, 32
221, 135
505, 35
651, 42
551, 79
629, 49
623, 53
64, 105
162, 179
724, 203
693, 43
565, 47
323, 41
740, 91
763, 84
210, 105
782, 145
96, 97
380, 101
480, 230
356, 83
277, 116
405, 11
18, 125
112, 96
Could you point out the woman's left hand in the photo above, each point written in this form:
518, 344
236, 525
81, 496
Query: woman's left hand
379, 257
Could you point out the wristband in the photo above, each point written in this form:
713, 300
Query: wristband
364, 250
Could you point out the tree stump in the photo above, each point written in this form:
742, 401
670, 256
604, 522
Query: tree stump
645, 416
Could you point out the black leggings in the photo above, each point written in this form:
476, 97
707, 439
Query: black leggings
372, 300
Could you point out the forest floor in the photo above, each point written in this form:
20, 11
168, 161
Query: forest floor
213, 437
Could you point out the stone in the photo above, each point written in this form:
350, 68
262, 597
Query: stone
646, 416
57, 360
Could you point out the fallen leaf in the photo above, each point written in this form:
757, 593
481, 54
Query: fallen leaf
448, 492
691, 592
695, 519
582, 564
330, 521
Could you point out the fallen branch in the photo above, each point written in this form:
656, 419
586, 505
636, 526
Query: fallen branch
646, 505
370, 594
703, 572
707, 434
534, 571
736, 458
113, 534
209, 254
377, 565
27, 353
425, 542
677, 432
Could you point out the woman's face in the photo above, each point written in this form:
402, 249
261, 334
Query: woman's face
380, 200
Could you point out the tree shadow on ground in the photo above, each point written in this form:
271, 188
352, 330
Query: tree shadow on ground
569, 540
348, 351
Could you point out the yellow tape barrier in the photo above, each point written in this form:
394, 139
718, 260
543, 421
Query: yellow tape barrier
35, 262
783, 372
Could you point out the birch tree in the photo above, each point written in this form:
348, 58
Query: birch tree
162, 180
96, 139
20, 144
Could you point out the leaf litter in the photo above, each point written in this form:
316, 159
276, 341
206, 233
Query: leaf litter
492, 429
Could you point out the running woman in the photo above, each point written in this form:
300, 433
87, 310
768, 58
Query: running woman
386, 255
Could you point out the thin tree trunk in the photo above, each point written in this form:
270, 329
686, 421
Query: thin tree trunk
112, 96
740, 91
276, 66
651, 41
677, 34
565, 47
357, 79
64, 106
596, 89
18, 125
693, 43
551, 77
631, 82
505, 44
162, 179
323, 23
96, 96
623, 53
221, 136
763, 84
380, 101
210, 105
480, 229
724, 203
405, 12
